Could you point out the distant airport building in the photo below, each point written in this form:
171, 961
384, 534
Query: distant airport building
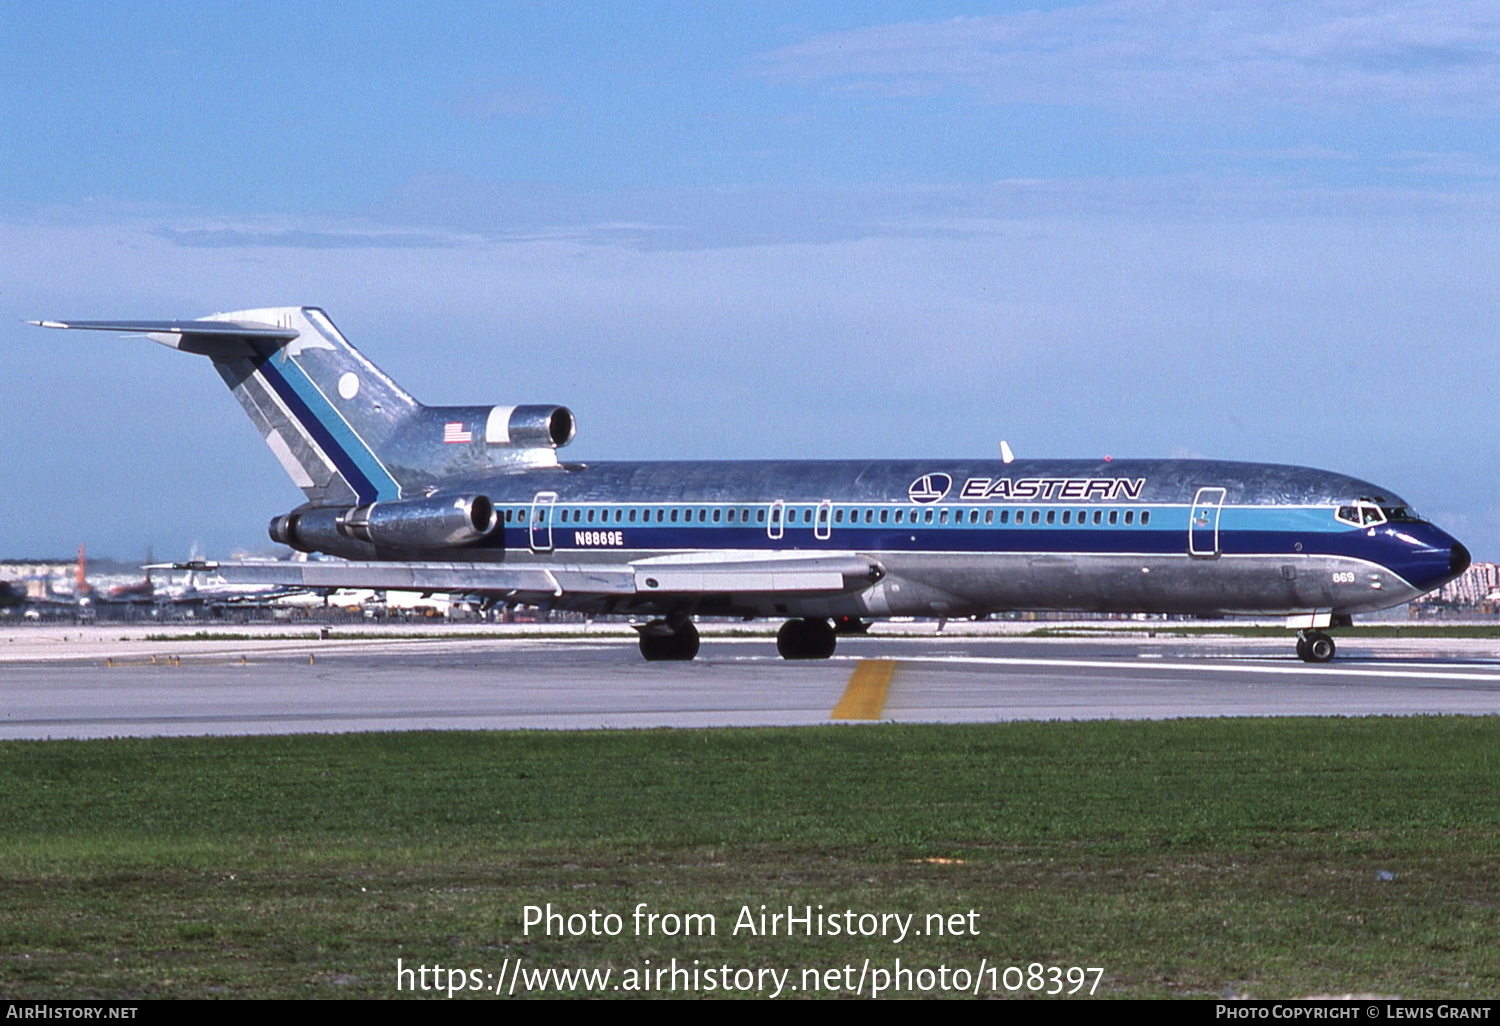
1476, 588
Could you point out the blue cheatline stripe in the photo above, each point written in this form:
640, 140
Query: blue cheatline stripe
352, 458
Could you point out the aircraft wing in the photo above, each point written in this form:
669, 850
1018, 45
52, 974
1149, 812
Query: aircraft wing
688, 576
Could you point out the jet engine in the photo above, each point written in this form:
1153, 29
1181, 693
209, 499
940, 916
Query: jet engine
526, 427
430, 523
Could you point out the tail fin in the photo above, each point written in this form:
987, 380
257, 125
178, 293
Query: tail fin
326, 412
344, 432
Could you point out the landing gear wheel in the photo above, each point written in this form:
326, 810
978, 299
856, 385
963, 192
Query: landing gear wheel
659, 643
806, 639
1316, 647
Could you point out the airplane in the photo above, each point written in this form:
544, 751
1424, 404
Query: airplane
475, 500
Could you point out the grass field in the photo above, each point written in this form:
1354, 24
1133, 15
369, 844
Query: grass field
1268, 858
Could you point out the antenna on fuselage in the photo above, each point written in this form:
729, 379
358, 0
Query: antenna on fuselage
1006, 456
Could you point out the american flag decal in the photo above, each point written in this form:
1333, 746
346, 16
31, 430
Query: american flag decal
454, 433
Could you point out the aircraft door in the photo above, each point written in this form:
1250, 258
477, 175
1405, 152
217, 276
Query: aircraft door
776, 527
541, 521
1203, 523
823, 526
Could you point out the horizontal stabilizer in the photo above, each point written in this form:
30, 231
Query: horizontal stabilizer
222, 329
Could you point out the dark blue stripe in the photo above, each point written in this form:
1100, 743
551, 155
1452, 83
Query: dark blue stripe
363, 489
1422, 558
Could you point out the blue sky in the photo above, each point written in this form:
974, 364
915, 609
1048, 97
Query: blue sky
1261, 231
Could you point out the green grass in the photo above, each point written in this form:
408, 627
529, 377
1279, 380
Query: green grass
1186, 857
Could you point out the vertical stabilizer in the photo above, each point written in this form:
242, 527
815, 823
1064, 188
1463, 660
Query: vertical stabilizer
325, 411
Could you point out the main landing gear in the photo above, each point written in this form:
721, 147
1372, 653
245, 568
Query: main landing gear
1315, 647
664, 641
806, 639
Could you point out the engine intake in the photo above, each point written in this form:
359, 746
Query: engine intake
526, 427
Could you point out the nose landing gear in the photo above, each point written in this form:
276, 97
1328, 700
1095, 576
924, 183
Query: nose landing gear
1315, 647
806, 639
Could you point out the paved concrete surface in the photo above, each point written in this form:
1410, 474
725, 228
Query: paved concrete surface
87, 682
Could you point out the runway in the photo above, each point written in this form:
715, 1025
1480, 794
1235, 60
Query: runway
98, 686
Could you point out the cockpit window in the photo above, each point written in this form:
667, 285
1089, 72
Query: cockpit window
1363, 514
1401, 515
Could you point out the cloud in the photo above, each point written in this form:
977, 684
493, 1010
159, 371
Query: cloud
1332, 54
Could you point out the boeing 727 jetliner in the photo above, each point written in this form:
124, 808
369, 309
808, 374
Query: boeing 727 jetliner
474, 500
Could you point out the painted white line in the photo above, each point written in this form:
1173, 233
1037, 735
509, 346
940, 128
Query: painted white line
1120, 664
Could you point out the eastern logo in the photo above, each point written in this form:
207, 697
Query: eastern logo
929, 488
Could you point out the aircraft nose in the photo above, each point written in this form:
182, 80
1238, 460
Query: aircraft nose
1458, 559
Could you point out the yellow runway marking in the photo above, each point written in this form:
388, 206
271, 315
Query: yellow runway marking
864, 698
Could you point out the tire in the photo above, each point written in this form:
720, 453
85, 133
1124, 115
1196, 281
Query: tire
679, 646
1320, 648
1302, 649
806, 639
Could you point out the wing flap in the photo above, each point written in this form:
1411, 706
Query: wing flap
815, 573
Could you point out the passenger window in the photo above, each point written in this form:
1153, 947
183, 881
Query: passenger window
760, 516
942, 516
1005, 516
591, 516
703, 516
674, 514
973, 516
822, 514
899, 515
989, 516
1098, 515
1067, 516
521, 516
716, 516
838, 516
1145, 517
1114, 517
1129, 516
1052, 516
883, 514
1036, 515
745, 515
731, 516
870, 517
928, 517
632, 516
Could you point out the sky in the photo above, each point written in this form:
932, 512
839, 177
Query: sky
1257, 231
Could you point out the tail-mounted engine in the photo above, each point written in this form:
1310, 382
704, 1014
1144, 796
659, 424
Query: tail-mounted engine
527, 427
431, 523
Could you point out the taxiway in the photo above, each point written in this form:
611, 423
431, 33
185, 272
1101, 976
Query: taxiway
98, 685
